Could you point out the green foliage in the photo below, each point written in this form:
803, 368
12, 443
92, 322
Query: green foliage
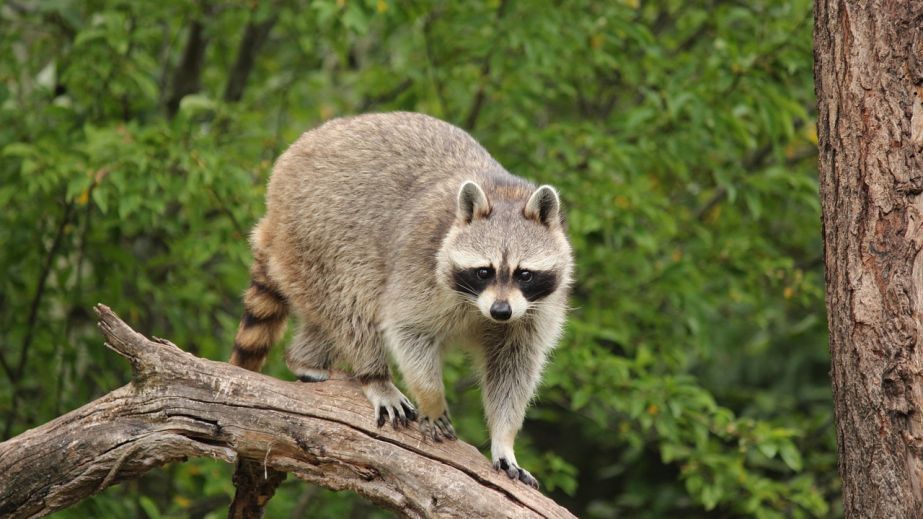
692, 379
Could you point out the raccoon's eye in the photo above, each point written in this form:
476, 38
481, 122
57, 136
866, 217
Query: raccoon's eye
524, 275
485, 273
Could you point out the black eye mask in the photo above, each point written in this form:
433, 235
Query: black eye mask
473, 281
542, 284
467, 281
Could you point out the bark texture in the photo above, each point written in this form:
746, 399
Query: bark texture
869, 85
179, 405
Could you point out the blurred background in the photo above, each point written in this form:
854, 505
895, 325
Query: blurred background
136, 139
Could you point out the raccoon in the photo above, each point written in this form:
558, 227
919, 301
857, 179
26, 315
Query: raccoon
399, 233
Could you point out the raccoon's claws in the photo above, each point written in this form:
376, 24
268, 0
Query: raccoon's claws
400, 415
437, 429
409, 410
389, 404
515, 472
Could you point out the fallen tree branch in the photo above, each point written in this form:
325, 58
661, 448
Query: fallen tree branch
179, 405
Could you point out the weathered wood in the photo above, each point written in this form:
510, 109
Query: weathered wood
179, 405
869, 83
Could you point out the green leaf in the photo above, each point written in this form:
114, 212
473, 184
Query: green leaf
99, 198
195, 104
768, 448
18, 149
791, 456
149, 507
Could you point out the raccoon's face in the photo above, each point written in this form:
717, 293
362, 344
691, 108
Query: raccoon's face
507, 257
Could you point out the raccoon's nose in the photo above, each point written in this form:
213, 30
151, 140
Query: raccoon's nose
501, 310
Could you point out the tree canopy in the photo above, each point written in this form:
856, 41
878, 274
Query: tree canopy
135, 143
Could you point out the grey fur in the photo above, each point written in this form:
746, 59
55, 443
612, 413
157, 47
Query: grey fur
368, 220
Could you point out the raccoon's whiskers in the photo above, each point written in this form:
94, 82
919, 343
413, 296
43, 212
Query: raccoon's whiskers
468, 288
537, 306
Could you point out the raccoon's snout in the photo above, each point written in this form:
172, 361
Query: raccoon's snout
501, 310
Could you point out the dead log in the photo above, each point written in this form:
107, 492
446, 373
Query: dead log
179, 405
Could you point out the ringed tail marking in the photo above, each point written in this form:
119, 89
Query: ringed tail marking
263, 322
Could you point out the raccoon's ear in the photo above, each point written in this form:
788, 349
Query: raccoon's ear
472, 202
544, 206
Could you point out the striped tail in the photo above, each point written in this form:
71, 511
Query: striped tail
263, 322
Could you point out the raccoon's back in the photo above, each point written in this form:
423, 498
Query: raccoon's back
342, 194
358, 173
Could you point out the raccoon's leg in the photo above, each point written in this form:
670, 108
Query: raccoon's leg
264, 319
369, 360
511, 373
311, 354
420, 360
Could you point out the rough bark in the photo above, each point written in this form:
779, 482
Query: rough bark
179, 405
869, 85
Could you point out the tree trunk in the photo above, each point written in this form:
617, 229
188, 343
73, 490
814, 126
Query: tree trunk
255, 486
187, 78
255, 35
179, 405
869, 84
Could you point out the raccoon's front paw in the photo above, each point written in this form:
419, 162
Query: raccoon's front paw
389, 404
437, 429
515, 472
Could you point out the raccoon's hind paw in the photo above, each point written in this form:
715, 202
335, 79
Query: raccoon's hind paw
515, 472
312, 375
389, 404
437, 429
